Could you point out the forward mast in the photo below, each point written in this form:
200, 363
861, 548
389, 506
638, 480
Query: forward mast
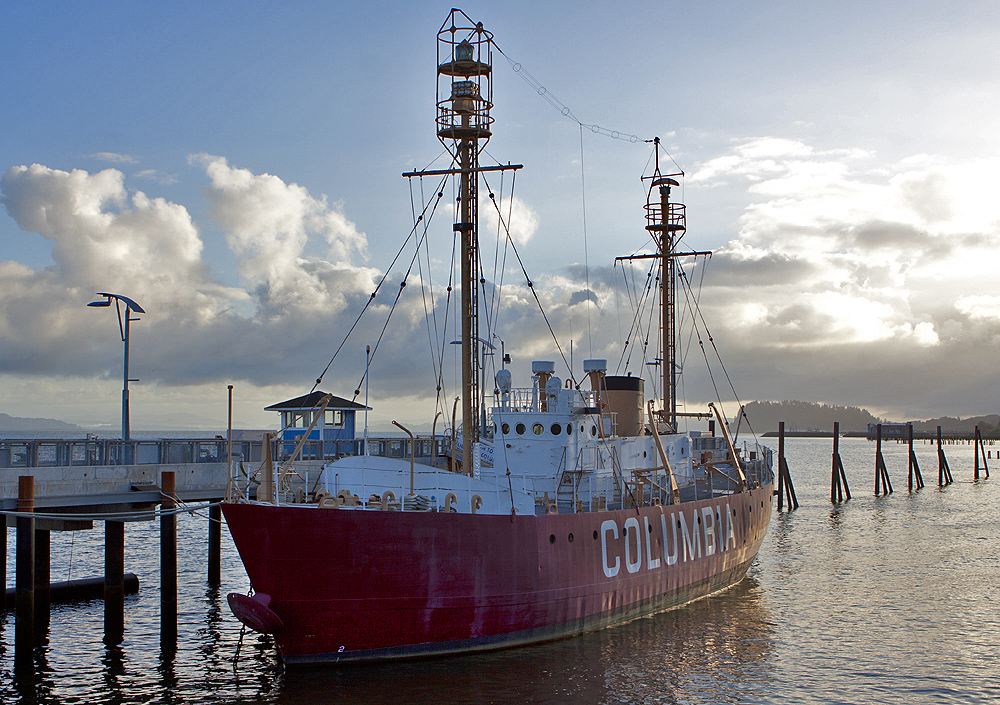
464, 99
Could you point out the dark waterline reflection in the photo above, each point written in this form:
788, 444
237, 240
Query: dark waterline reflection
707, 653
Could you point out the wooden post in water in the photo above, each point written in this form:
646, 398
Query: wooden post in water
168, 564
944, 472
975, 452
214, 545
785, 487
24, 590
881, 474
114, 582
215, 512
781, 454
913, 468
838, 479
43, 600
980, 448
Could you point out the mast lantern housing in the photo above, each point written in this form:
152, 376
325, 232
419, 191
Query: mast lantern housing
464, 51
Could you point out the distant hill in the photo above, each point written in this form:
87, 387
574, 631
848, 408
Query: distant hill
807, 416
16, 423
989, 424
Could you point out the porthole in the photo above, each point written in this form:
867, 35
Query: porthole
505, 428
538, 429
571, 538
552, 538
556, 429
569, 429
593, 430
520, 429
595, 534
643, 454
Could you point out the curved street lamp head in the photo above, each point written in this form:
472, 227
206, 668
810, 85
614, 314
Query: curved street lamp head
124, 299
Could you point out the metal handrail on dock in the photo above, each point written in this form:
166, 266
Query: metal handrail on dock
52, 452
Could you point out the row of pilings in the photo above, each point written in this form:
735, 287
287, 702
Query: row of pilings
840, 491
33, 591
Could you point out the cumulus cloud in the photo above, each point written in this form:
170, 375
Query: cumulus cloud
268, 223
106, 237
862, 281
518, 217
847, 282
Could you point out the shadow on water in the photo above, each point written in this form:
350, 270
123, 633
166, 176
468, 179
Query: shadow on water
707, 652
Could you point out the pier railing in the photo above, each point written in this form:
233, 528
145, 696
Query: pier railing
44, 452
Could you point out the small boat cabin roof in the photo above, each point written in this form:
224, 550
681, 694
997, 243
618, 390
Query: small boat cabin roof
312, 400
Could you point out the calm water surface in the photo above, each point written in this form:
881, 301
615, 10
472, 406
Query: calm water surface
889, 600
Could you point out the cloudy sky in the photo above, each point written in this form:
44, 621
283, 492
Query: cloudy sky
235, 169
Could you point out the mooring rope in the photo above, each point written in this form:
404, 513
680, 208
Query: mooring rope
111, 516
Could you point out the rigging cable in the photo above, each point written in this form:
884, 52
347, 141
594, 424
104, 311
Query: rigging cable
586, 257
399, 293
550, 98
319, 380
696, 312
493, 313
531, 287
437, 360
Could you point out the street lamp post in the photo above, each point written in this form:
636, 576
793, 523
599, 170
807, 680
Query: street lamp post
123, 327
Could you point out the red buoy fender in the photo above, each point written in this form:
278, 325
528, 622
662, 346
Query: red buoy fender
254, 612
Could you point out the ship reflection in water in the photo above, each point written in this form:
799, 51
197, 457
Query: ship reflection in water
711, 651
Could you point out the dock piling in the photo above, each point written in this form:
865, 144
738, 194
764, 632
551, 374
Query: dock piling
168, 564
24, 601
114, 582
913, 468
944, 472
785, 488
881, 474
838, 478
43, 601
980, 447
214, 545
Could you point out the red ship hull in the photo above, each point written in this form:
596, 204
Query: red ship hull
372, 585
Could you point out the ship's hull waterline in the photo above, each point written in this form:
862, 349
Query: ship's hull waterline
364, 585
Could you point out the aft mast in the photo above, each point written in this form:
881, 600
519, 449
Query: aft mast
666, 223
